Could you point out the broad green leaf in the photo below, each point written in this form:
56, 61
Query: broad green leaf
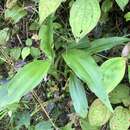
105, 44
15, 53
15, 13
4, 36
9, 102
127, 16
85, 125
23, 82
35, 52
122, 3
27, 78
46, 37
44, 125
68, 127
78, 96
25, 52
98, 114
86, 69
6, 99
47, 7
113, 71
84, 16
22, 119
120, 119
129, 73
120, 93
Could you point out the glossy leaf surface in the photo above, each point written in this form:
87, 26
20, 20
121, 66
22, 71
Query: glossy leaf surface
86, 69
47, 7
28, 78
78, 96
84, 16
113, 72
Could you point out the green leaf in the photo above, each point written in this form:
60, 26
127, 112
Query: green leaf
86, 69
15, 53
29, 42
120, 119
35, 52
4, 36
105, 44
85, 125
25, 52
27, 78
107, 5
129, 73
22, 119
6, 99
47, 7
68, 127
84, 16
46, 37
82, 44
15, 13
10, 3
122, 3
113, 72
44, 125
78, 96
120, 93
127, 16
34, 26
98, 114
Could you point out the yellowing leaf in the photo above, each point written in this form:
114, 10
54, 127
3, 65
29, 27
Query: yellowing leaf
86, 69
119, 94
84, 16
120, 119
10, 3
98, 113
78, 96
27, 78
122, 3
47, 7
113, 71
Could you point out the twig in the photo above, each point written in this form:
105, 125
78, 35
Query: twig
19, 39
40, 103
